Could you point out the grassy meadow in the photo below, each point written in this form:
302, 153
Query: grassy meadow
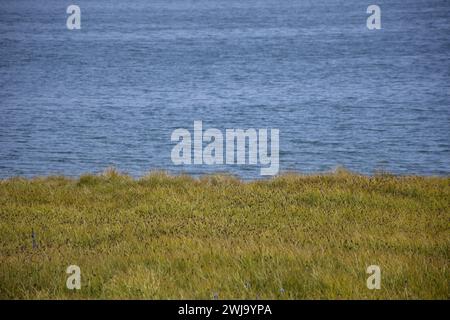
177, 237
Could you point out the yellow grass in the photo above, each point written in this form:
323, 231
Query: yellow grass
160, 237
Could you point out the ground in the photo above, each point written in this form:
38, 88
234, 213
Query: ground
160, 237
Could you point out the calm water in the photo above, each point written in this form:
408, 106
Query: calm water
112, 93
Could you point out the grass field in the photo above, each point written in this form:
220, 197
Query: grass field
159, 237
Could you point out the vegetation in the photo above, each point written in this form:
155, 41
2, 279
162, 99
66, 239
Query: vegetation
165, 237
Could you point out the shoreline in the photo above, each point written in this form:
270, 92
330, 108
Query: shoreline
112, 171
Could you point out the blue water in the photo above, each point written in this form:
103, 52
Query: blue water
111, 93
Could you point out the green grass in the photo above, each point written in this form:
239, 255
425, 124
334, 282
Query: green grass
160, 237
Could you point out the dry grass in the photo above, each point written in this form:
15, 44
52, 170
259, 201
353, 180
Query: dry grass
160, 237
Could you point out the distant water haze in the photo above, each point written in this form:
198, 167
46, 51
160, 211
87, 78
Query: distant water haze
111, 94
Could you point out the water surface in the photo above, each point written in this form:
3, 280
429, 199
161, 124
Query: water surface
112, 93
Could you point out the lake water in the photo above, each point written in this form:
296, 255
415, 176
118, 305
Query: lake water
111, 93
